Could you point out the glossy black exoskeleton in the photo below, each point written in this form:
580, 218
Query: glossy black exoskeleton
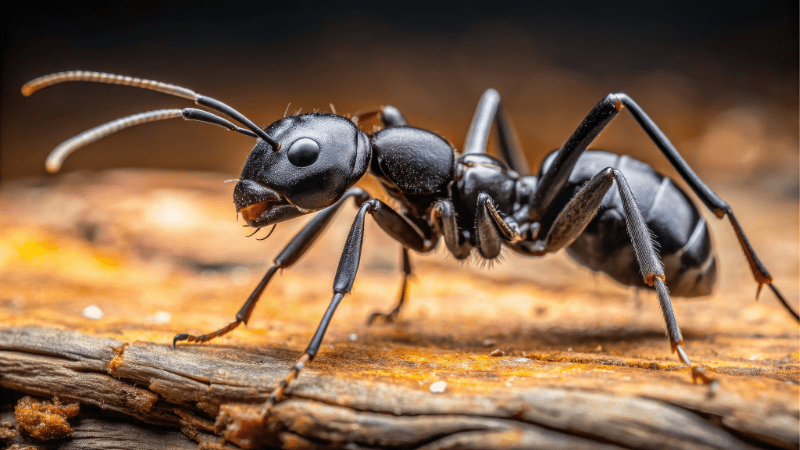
606, 210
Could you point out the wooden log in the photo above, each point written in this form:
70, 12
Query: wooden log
162, 386
581, 364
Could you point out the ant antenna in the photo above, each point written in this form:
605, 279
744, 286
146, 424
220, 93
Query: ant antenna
99, 77
60, 153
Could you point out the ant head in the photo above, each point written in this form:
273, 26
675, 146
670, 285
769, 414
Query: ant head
302, 163
318, 157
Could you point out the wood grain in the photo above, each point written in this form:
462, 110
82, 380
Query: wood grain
584, 362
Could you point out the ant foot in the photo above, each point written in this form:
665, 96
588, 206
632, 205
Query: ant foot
387, 318
179, 337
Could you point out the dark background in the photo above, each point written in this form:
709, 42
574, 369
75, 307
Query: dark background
721, 78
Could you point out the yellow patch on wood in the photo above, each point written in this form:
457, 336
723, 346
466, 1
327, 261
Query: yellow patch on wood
35, 249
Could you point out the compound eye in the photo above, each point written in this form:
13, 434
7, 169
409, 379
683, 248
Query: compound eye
303, 152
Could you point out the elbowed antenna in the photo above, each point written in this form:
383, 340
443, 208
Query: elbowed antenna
57, 156
171, 89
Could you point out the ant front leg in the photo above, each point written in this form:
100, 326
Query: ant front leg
293, 251
393, 224
571, 222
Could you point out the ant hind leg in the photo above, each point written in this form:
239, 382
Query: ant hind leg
572, 220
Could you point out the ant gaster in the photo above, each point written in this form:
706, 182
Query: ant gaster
608, 211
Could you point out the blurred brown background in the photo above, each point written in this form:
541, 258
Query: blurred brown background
721, 78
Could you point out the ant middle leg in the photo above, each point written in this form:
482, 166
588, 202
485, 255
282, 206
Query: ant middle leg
391, 315
488, 234
293, 251
491, 109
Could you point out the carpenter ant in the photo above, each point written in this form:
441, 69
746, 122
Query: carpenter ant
580, 200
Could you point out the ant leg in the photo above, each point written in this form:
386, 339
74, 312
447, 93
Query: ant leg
712, 201
557, 175
389, 317
508, 227
576, 215
293, 251
491, 229
397, 227
443, 217
389, 117
489, 109
572, 220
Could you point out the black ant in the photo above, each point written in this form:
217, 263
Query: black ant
580, 200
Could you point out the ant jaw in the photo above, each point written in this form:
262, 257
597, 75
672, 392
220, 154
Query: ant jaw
253, 212
261, 206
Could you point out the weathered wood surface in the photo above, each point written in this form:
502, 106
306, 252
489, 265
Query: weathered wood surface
584, 365
93, 431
